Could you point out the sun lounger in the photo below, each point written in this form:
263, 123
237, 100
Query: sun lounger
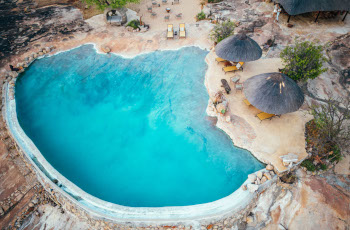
182, 31
233, 68
164, 1
170, 32
246, 102
263, 116
229, 69
218, 59
226, 86
166, 18
149, 9
179, 16
176, 1
154, 14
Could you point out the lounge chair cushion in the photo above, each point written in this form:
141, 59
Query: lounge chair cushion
169, 29
262, 116
230, 68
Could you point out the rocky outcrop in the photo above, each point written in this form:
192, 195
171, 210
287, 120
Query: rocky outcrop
23, 25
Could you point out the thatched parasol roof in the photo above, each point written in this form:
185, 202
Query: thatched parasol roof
238, 48
273, 93
294, 7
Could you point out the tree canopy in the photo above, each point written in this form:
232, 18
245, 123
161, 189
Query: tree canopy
102, 4
303, 61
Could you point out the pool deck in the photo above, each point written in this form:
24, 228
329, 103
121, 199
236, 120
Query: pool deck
269, 139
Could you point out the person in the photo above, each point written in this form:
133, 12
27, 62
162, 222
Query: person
279, 9
274, 10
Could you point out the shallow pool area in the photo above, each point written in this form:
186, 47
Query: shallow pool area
134, 131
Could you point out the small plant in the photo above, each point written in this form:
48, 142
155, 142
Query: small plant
335, 155
222, 31
303, 61
200, 16
134, 24
323, 166
308, 164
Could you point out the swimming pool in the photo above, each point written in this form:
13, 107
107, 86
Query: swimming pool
131, 131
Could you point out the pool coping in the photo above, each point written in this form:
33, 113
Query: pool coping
211, 211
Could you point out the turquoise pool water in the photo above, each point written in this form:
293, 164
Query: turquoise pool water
131, 131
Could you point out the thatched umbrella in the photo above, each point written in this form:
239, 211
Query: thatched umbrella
238, 48
294, 7
273, 93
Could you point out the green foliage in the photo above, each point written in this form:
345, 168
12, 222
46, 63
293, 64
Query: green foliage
102, 4
134, 24
308, 164
303, 61
222, 31
336, 156
214, 1
323, 167
200, 16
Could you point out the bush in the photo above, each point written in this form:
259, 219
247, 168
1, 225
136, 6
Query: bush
332, 119
214, 1
222, 31
103, 4
336, 155
134, 24
308, 164
200, 16
303, 61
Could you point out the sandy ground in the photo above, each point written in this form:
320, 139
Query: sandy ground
269, 139
188, 8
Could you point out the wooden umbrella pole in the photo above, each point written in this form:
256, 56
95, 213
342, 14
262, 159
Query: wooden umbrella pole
345, 15
317, 16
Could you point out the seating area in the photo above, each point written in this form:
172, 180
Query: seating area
172, 34
238, 86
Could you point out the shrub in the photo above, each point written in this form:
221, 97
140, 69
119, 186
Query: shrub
222, 31
303, 61
214, 1
336, 155
134, 24
102, 4
308, 164
323, 167
200, 16
332, 119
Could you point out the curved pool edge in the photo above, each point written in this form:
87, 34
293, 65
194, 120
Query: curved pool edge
215, 210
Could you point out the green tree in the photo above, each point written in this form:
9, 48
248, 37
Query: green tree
303, 61
222, 31
102, 4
